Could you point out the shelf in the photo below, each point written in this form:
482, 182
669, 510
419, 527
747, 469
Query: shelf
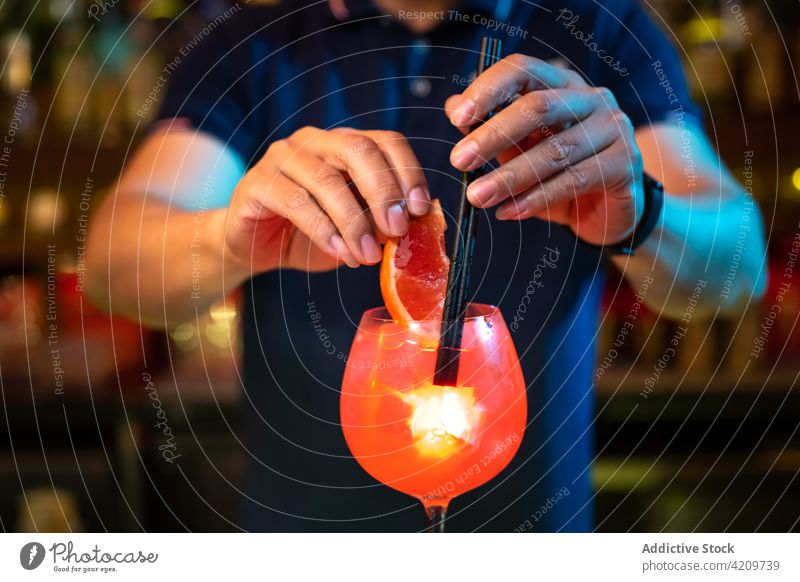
695, 384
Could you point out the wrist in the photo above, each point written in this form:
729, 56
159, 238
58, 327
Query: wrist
233, 268
647, 219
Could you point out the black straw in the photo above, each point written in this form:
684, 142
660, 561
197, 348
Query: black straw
455, 302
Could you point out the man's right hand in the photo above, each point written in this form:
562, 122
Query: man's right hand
318, 199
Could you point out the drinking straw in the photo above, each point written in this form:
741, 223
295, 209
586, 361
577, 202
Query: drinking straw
455, 302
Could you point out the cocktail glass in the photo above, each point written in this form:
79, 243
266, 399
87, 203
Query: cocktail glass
433, 442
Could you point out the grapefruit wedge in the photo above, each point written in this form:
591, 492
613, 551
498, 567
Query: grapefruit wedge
414, 270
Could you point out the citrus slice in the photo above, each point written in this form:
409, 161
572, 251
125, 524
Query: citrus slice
414, 269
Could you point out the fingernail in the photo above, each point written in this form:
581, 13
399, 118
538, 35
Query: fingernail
512, 210
464, 112
370, 249
481, 191
342, 252
464, 154
398, 219
418, 201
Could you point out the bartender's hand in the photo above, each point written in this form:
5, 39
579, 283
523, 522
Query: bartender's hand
296, 207
566, 151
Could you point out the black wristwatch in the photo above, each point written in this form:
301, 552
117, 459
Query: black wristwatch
653, 206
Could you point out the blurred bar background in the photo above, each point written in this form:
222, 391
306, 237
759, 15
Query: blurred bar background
713, 446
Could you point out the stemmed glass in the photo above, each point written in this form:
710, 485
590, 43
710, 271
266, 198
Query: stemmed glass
433, 442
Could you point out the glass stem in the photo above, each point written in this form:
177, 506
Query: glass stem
436, 517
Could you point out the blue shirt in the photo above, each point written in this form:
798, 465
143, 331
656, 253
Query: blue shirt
263, 73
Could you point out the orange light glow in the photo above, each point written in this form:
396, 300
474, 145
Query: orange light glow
442, 419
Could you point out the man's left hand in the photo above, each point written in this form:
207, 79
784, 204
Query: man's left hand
566, 150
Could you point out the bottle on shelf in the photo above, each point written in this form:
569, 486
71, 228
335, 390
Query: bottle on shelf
111, 47
764, 65
73, 74
17, 101
17, 50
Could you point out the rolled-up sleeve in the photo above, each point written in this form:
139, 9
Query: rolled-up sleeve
206, 86
649, 82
